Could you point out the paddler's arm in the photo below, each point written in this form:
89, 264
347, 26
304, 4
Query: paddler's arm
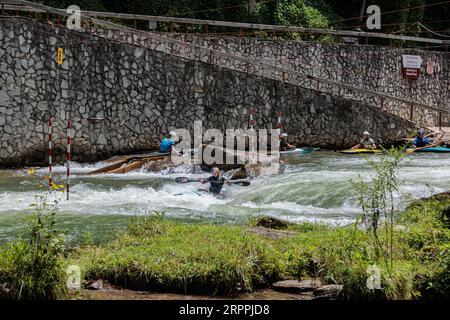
174, 150
358, 146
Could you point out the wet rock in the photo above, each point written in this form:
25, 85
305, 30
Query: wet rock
296, 286
440, 197
239, 174
328, 292
101, 285
272, 223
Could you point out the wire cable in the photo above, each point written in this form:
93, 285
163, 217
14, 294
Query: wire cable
433, 32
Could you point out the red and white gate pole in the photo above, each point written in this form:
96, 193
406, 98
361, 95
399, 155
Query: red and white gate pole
279, 121
50, 153
69, 155
252, 156
251, 121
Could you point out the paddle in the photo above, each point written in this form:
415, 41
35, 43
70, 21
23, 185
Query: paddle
416, 149
243, 183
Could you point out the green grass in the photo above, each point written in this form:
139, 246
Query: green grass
158, 254
30, 274
162, 255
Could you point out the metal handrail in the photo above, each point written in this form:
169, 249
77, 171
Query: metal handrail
109, 26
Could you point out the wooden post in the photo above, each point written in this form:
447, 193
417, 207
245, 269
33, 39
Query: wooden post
241, 32
318, 88
3, 9
382, 103
206, 29
411, 114
135, 23
48, 17
440, 121
210, 58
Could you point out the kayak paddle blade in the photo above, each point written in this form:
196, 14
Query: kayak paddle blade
182, 180
241, 183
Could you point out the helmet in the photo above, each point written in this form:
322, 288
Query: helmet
421, 132
366, 133
284, 135
172, 134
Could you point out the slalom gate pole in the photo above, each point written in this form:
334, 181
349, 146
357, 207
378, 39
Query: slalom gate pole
69, 155
50, 153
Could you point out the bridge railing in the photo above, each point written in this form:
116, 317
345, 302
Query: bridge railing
116, 32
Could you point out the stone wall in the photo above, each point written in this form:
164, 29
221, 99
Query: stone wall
124, 98
368, 67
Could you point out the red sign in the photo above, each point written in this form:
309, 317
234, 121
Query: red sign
411, 74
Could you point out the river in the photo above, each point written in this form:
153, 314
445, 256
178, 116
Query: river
315, 187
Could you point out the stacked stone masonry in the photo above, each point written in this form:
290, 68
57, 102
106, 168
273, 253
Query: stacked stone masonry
124, 98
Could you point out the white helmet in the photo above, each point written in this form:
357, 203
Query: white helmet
172, 134
366, 133
284, 135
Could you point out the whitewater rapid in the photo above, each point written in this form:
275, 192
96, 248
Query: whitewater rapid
316, 188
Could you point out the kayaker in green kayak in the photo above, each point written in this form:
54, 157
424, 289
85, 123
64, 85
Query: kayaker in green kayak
366, 143
284, 145
216, 182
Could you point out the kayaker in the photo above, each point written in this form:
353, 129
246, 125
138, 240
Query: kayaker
422, 141
366, 142
216, 181
168, 143
284, 145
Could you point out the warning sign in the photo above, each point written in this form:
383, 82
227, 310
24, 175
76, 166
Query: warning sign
411, 74
411, 66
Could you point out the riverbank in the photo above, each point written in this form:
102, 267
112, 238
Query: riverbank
156, 254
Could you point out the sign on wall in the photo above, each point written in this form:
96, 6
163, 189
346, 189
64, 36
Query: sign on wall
411, 66
60, 55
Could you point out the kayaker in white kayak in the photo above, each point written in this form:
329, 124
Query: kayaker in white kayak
284, 145
366, 143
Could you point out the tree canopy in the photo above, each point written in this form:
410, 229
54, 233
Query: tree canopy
398, 17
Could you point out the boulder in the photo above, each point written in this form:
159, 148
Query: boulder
272, 223
239, 174
296, 286
100, 285
328, 292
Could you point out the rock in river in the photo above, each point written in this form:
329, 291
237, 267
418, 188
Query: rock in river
328, 292
295, 286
